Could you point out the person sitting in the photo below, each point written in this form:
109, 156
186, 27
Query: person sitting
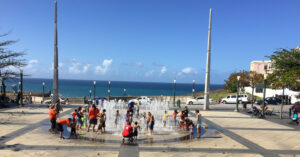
127, 132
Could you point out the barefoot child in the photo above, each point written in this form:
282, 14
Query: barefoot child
199, 123
165, 118
136, 126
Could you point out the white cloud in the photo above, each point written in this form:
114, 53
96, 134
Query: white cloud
31, 67
149, 73
78, 68
163, 70
102, 69
138, 64
188, 70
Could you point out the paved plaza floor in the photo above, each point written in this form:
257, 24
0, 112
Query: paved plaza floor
23, 132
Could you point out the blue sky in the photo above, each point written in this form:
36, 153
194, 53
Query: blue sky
148, 40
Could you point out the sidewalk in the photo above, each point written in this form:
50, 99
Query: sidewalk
22, 133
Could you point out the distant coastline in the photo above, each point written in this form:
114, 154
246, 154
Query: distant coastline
80, 88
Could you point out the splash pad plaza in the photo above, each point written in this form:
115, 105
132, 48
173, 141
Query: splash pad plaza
114, 128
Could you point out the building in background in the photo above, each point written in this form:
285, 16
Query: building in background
261, 67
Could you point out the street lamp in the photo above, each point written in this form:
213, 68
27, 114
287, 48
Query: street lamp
193, 89
90, 93
43, 84
108, 91
264, 96
237, 94
94, 90
174, 93
21, 86
124, 92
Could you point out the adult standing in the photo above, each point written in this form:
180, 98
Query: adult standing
93, 112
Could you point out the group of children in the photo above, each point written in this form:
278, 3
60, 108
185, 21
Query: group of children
186, 123
77, 120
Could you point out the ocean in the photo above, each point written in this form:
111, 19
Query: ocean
80, 88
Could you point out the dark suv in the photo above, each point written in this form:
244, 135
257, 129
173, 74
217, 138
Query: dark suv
270, 100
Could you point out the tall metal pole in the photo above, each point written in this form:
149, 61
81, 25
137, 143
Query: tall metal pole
193, 90
207, 73
264, 97
174, 93
55, 68
124, 92
21, 87
237, 94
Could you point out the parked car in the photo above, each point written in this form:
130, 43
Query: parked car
49, 101
270, 100
198, 101
242, 98
142, 100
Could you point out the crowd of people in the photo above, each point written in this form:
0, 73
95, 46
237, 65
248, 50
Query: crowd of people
90, 119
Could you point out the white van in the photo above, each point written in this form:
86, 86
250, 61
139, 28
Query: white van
242, 98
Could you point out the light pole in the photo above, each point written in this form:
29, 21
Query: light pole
90, 93
174, 93
43, 91
108, 91
237, 94
193, 89
264, 96
94, 90
21, 86
124, 92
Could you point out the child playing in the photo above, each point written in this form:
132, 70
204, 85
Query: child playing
165, 118
136, 126
199, 123
174, 116
117, 117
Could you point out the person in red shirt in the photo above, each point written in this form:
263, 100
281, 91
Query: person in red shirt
127, 132
74, 114
60, 124
52, 118
93, 113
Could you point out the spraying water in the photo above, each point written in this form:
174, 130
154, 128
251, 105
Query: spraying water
156, 108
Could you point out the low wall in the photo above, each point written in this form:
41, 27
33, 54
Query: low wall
273, 92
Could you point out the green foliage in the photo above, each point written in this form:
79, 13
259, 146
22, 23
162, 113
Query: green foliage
286, 65
8, 59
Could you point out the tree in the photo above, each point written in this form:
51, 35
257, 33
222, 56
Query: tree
9, 59
231, 82
254, 79
286, 70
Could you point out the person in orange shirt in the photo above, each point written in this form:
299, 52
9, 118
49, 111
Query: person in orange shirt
52, 118
60, 124
93, 112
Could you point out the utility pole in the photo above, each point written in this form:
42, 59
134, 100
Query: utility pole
55, 69
207, 73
